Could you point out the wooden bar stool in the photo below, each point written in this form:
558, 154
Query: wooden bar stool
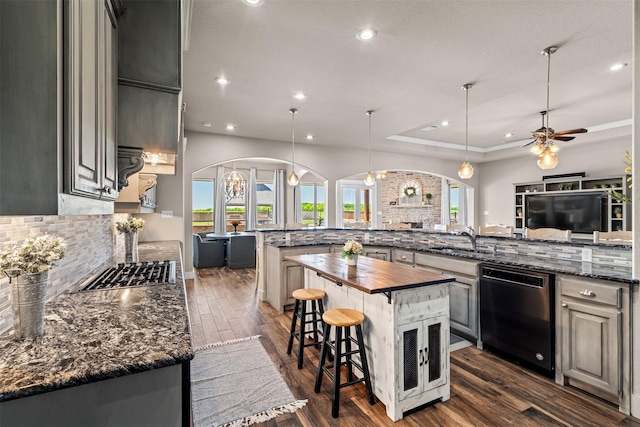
343, 319
300, 312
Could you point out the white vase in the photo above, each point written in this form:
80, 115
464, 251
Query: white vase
353, 260
130, 247
28, 294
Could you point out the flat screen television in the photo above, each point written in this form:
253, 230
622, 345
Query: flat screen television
580, 213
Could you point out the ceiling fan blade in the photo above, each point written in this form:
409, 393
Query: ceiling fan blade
563, 138
567, 132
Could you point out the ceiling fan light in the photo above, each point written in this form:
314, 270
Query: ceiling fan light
293, 179
536, 149
554, 148
466, 170
369, 179
547, 160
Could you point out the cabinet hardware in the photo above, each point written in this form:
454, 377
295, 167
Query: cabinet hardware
565, 305
426, 353
587, 293
421, 357
403, 257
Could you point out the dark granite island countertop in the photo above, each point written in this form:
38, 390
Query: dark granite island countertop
97, 335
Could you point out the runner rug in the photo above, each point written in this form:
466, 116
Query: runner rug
235, 383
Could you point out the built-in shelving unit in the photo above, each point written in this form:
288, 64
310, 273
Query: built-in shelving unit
617, 213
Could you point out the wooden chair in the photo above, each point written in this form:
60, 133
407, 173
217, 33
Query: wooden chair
547, 234
356, 225
270, 225
613, 237
294, 225
456, 227
496, 230
396, 226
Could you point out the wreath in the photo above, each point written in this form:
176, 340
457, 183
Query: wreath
410, 191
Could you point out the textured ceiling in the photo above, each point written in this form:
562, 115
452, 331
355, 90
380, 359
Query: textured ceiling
411, 74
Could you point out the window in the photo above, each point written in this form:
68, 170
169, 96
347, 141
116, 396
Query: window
356, 203
312, 198
454, 203
264, 201
202, 205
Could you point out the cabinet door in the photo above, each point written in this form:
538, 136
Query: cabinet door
293, 276
90, 80
463, 306
591, 340
411, 359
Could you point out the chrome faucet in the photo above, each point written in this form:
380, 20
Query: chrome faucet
471, 237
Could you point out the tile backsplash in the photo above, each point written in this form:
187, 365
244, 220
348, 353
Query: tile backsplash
91, 244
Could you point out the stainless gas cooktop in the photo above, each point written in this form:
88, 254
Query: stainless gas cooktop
133, 275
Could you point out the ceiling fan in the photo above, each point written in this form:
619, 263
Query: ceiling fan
543, 138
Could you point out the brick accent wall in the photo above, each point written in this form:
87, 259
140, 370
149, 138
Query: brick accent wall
91, 245
427, 212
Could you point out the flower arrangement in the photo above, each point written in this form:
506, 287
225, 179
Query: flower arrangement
351, 248
36, 255
619, 196
131, 225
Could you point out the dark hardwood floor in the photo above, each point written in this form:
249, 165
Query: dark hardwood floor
485, 390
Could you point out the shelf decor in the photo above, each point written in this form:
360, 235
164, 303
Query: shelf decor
618, 196
28, 270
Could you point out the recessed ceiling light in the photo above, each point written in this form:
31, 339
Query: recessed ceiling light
222, 81
618, 67
366, 34
253, 2
430, 127
309, 137
206, 124
231, 127
508, 135
446, 123
299, 95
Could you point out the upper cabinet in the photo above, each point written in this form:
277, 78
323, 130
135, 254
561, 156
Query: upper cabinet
149, 75
57, 107
90, 99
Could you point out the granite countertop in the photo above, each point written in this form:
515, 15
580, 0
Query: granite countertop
611, 272
94, 335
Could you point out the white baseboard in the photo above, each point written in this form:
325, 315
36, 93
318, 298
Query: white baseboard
189, 275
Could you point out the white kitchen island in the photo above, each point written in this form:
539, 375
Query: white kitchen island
406, 328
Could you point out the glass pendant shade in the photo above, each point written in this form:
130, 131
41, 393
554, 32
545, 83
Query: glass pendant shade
293, 179
466, 170
548, 159
536, 149
369, 179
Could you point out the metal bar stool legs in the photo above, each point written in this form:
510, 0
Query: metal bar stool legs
302, 296
343, 319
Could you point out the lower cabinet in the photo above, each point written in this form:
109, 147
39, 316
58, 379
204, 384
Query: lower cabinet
463, 292
423, 366
283, 277
593, 334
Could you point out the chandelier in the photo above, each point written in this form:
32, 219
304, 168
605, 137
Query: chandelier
235, 185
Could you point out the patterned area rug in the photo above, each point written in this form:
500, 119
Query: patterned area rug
235, 383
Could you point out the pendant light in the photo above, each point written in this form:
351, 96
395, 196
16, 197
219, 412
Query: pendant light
370, 178
293, 179
548, 159
466, 170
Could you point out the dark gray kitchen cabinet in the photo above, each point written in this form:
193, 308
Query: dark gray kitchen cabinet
57, 106
149, 75
90, 99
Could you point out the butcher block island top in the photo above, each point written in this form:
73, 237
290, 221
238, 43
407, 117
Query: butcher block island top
371, 275
406, 334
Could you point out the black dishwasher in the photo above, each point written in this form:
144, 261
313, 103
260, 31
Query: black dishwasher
517, 314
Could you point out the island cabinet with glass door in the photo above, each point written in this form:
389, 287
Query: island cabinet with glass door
406, 328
